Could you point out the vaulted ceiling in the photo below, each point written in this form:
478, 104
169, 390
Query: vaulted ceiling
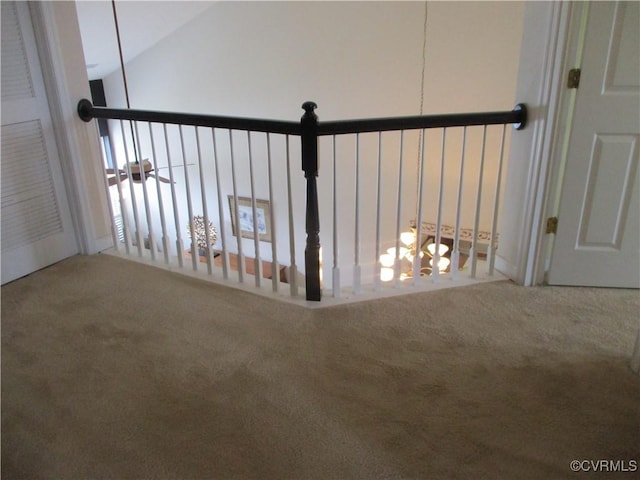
141, 24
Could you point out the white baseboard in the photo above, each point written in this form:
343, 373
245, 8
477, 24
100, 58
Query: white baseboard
102, 244
507, 269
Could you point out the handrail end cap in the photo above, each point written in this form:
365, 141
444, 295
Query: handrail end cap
85, 110
521, 108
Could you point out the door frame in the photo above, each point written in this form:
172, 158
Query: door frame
571, 52
63, 68
536, 159
577, 28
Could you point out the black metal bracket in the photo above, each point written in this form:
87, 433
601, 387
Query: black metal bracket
85, 110
521, 108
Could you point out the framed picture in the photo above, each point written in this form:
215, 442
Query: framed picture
245, 220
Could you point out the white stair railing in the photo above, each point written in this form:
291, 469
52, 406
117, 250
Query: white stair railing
239, 168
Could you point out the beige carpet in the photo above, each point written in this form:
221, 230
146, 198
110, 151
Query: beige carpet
112, 369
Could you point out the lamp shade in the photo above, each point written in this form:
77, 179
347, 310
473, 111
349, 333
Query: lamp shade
442, 249
401, 252
443, 263
386, 274
387, 260
408, 238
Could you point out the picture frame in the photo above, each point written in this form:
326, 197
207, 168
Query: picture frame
245, 211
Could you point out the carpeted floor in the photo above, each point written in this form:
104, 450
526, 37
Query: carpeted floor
112, 369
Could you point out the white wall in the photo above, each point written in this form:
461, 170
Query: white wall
360, 59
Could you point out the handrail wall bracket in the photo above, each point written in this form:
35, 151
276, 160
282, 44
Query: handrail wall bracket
521, 109
85, 110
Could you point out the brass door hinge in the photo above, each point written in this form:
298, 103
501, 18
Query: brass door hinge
573, 80
552, 224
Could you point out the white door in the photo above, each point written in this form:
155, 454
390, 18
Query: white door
597, 241
37, 229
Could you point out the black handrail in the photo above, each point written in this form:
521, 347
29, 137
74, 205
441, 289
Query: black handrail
87, 112
517, 116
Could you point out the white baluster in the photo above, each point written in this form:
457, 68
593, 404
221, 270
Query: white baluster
378, 266
163, 223
398, 264
194, 247
256, 234
205, 211
356, 262
491, 253
174, 201
336, 269
476, 223
114, 227
293, 269
134, 203
223, 236
455, 254
417, 259
275, 267
236, 212
145, 195
435, 266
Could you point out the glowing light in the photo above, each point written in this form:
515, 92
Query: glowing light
442, 249
408, 238
443, 263
392, 251
386, 274
387, 260
410, 257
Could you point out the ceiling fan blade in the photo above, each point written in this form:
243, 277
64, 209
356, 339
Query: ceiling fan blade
113, 181
176, 166
162, 179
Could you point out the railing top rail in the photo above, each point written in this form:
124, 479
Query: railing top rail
517, 116
87, 112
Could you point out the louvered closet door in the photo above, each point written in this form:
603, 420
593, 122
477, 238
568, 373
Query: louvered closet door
36, 225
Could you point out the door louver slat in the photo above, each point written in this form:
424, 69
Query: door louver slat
16, 75
29, 206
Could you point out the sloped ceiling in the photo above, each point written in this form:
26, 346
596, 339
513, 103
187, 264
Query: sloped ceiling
141, 23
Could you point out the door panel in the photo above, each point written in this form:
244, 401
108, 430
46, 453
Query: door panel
613, 163
598, 238
36, 224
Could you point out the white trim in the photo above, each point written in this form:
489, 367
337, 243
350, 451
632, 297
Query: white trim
553, 86
572, 58
77, 141
523, 229
448, 231
506, 268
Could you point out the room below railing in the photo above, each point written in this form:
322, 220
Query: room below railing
240, 168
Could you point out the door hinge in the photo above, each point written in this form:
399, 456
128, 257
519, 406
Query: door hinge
552, 224
573, 80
